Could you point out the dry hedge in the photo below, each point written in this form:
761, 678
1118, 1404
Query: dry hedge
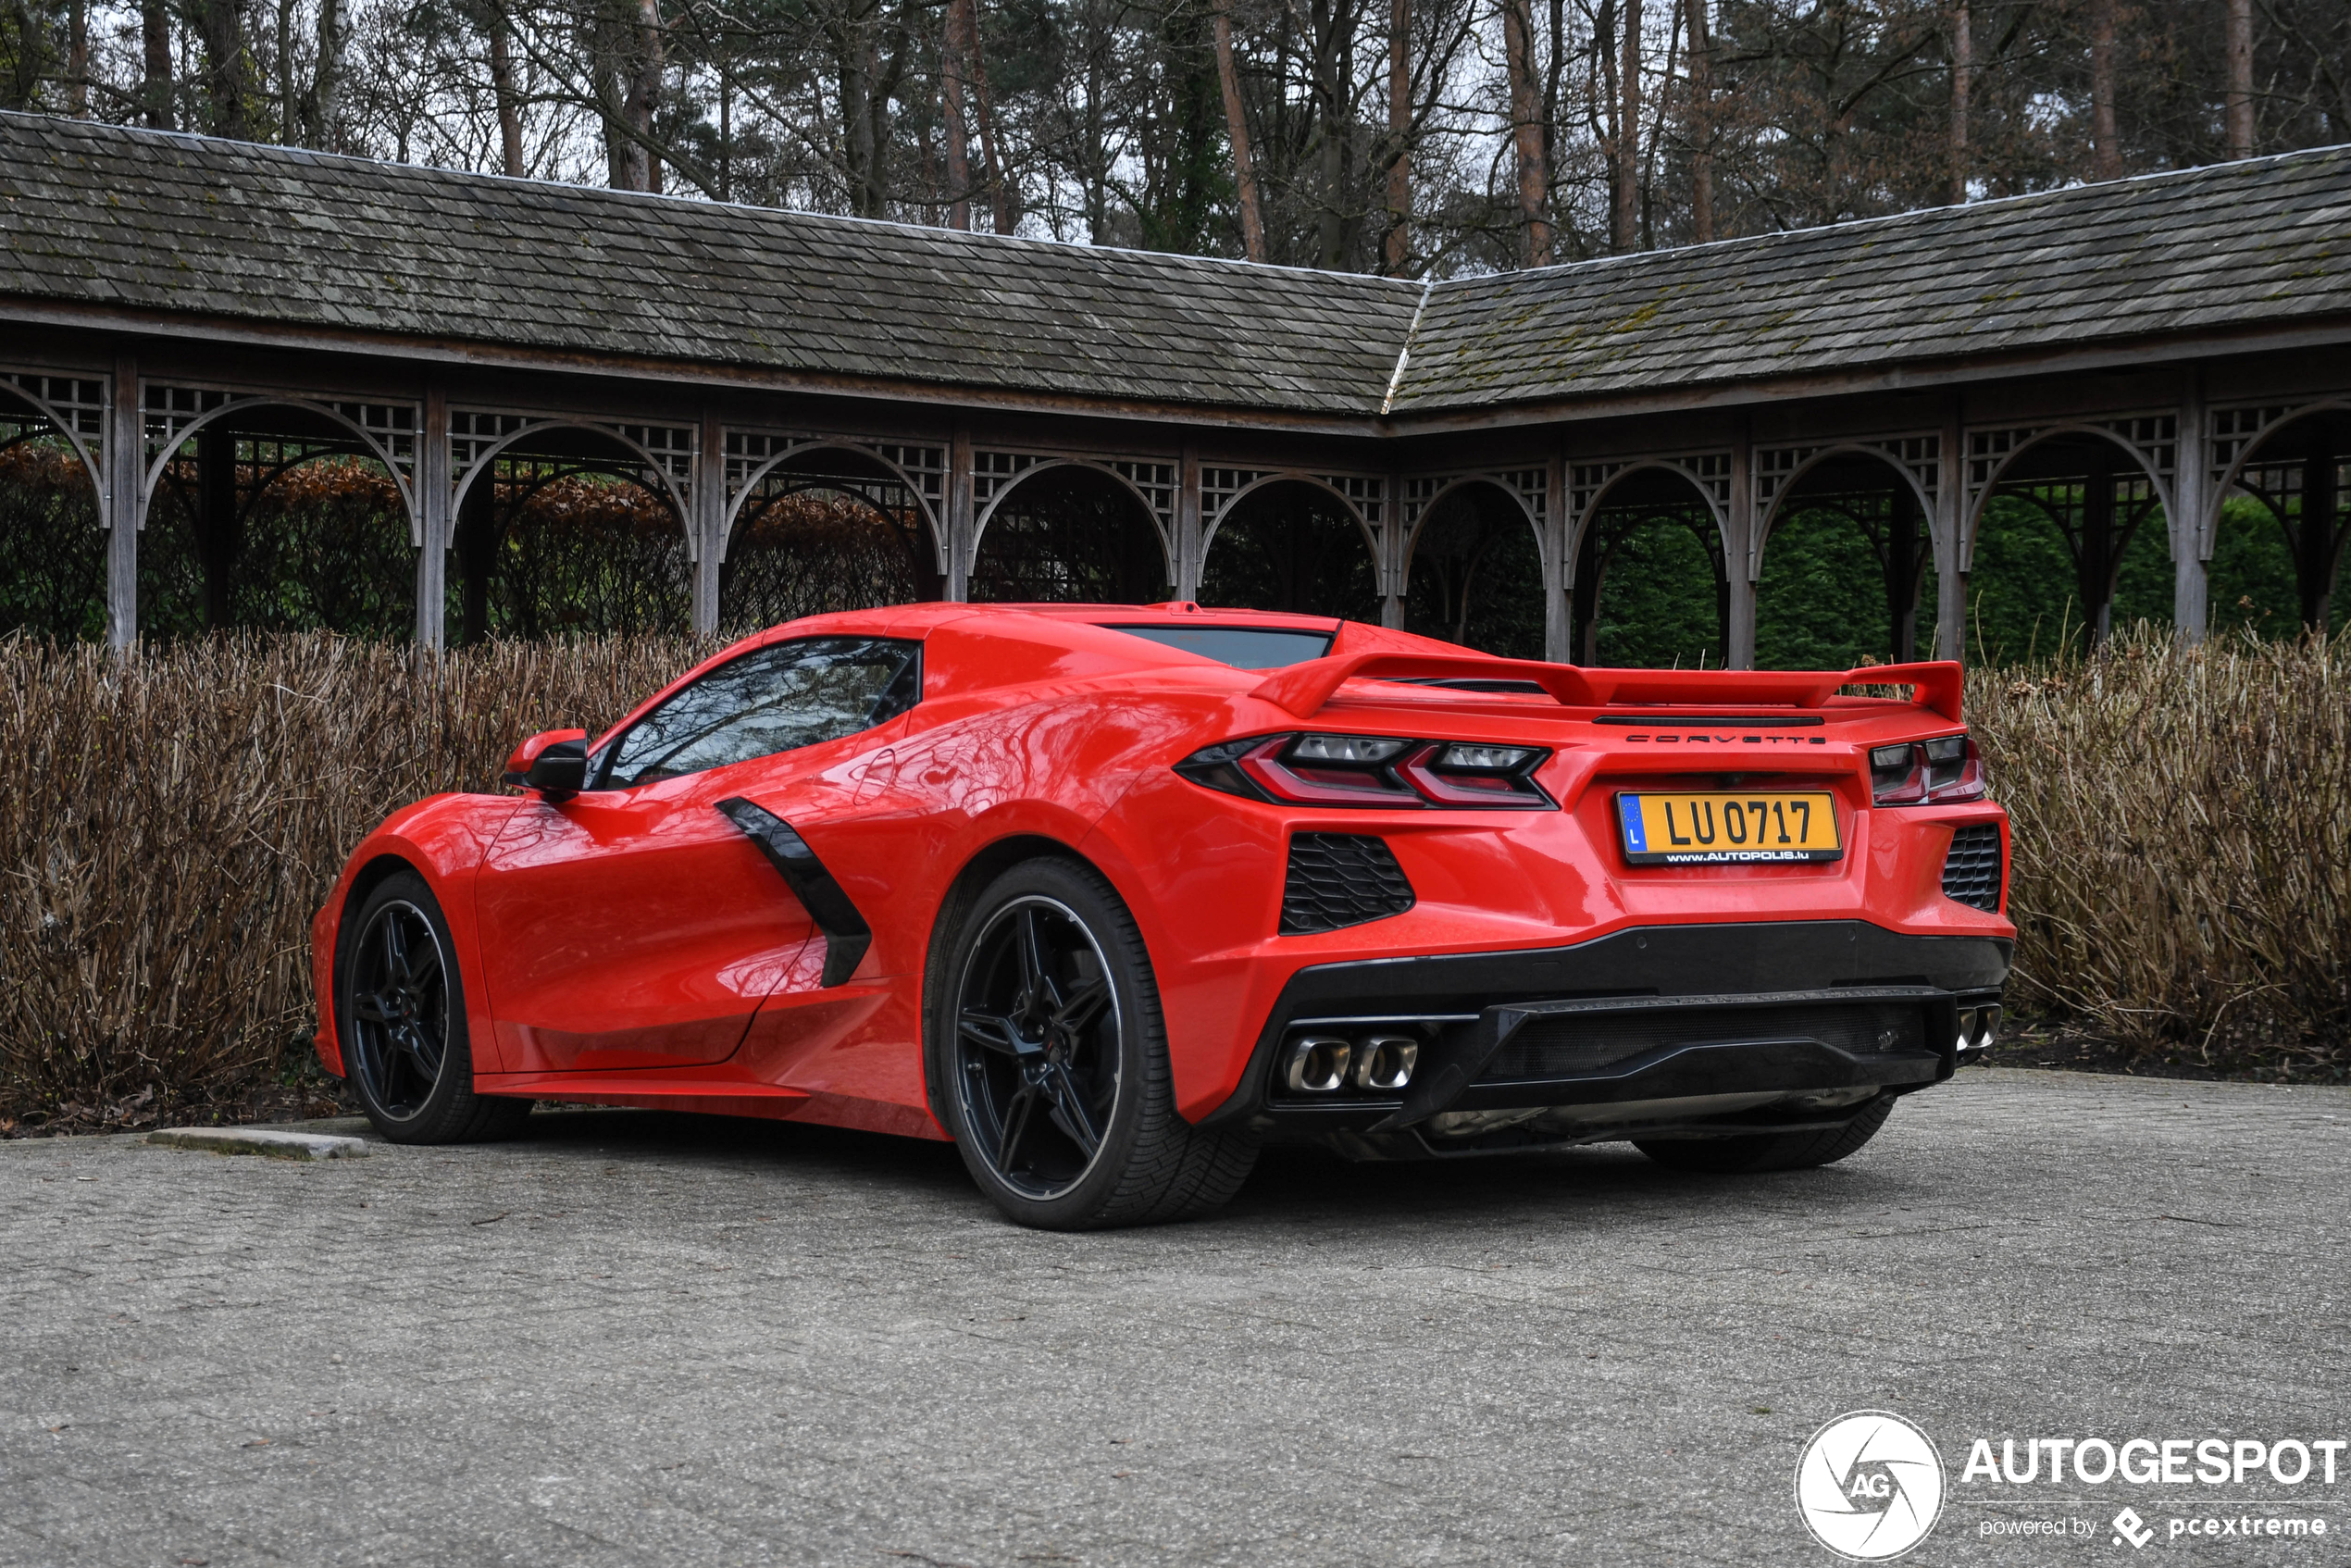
178, 818
2182, 828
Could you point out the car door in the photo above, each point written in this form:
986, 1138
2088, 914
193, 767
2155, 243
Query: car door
633, 924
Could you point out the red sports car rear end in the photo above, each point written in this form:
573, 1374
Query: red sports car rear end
1113, 896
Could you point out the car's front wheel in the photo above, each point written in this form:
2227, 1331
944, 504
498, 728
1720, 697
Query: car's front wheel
402, 1008
1052, 1061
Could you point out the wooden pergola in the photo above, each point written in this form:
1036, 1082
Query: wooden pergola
178, 307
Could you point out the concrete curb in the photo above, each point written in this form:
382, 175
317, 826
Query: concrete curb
264, 1141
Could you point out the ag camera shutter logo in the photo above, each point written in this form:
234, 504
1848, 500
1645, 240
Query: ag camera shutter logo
1870, 1486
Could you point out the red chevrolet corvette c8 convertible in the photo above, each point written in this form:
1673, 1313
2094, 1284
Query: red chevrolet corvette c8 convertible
1113, 896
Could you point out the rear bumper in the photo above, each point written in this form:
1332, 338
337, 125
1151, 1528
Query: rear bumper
1728, 1027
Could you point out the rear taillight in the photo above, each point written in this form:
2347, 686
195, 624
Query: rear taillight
1897, 778
1327, 770
1372, 770
1948, 770
1475, 776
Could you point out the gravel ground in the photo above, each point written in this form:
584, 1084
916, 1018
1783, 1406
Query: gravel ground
636, 1338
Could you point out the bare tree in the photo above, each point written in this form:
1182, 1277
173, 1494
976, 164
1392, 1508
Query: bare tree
505, 100
222, 24
2240, 90
2105, 145
322, 106
1962, 79
1396, 250
1624, 207
78, 59
1228, 79
289, 105
28, 58
962, 16
1331, 39
868, 52
644, 94
952, 68
1700, 123
1526, 132
156, 92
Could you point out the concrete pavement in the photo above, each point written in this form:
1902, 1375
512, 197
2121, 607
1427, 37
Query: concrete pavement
634, 1339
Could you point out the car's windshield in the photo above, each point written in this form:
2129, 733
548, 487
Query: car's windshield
1243, 647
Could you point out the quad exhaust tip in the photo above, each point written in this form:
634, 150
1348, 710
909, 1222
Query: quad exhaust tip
1326, 1064
1978, 1027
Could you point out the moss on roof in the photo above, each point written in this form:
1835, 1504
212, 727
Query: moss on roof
151, 222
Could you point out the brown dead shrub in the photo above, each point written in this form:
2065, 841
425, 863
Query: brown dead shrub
2182, 828
175, 819
2182, 875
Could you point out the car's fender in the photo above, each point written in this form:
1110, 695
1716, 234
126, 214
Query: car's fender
443, 839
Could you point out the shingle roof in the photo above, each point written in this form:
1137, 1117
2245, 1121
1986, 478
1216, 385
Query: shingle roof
181, 223
142, 220
2262, 241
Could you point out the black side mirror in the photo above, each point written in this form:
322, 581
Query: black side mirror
561, 770
555, 764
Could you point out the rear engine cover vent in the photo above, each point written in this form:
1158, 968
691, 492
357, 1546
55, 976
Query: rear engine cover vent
1340, 879
1971, 869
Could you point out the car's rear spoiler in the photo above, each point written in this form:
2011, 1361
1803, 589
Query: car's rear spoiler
1304, 689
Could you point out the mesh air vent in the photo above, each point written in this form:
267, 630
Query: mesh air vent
1971, 869
1340, 879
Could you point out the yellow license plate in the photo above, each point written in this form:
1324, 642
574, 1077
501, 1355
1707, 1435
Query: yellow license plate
1728, 827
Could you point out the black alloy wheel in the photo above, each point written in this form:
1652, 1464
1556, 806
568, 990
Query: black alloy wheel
399, 1009
1048, 1058
399, 1005
1038, 1032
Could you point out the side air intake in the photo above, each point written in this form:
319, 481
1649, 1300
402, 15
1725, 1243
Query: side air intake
1340, 879
1971, 868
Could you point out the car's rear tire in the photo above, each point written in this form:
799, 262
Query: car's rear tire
1770, 1152
399, 1009
1051, 1054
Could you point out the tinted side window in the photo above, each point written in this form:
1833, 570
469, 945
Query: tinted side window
1243, 647
772, 699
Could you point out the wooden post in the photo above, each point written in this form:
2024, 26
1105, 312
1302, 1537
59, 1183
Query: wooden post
1396, 547
1557, 570
1902, 571
961, 514
1950, 545
1584, 597
2314, 540
1742, 557
1189, 549
2094, 559
474, 536
217, 528
709, 521
125, 502
432, 521
2192, 520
